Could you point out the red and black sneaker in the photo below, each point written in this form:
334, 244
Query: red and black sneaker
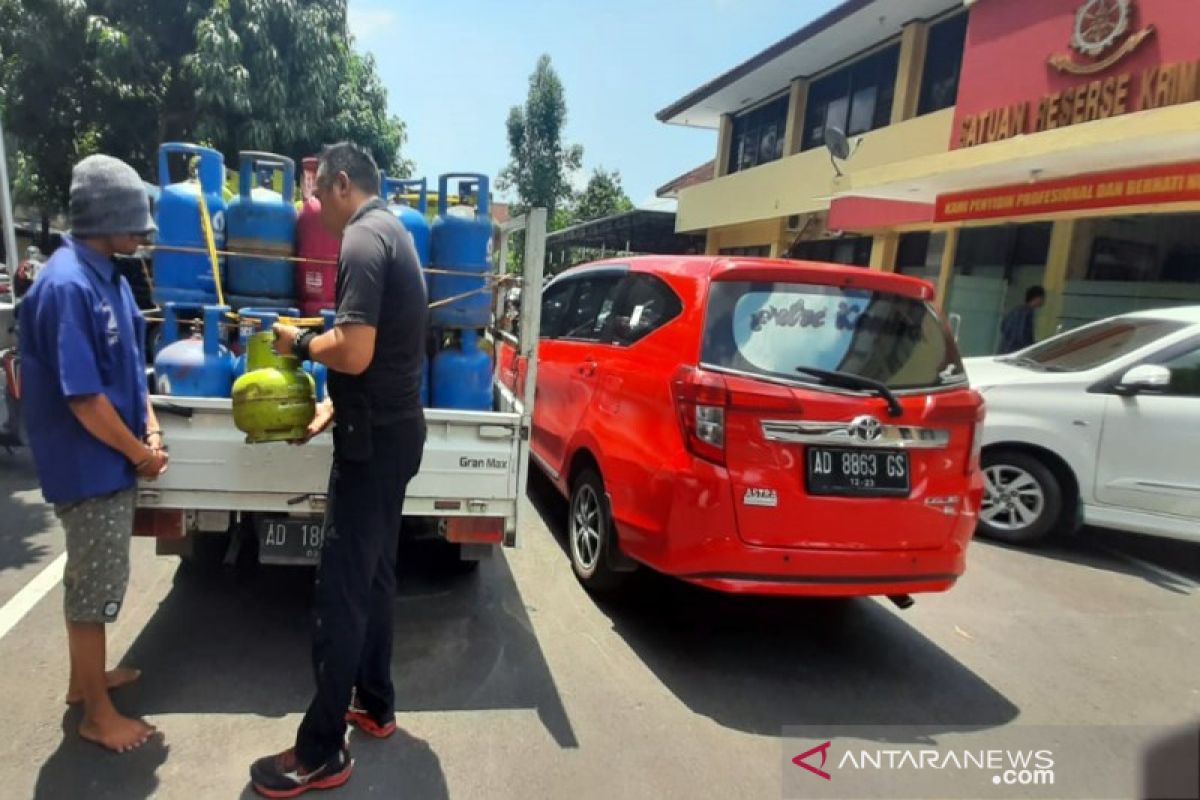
360, 718
282, 775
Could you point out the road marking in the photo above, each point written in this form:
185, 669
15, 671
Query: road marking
1174, 577
24, 601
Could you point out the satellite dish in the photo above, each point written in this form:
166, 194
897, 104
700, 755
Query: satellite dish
838, 146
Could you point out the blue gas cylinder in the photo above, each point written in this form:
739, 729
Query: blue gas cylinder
319, 371
262, 222
188, 277
413, 218
461, 241
462, 375
425, 383
196, 366
250, 322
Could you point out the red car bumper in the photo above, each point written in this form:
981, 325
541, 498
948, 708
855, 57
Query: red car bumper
700, 544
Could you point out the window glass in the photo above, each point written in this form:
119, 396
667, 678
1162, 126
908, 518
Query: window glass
943, 65
920, 254
590, 307
862, 110
758, 135
754, 251
853, 251
647, 305
555, 302
1096, 344
856, 99
775, 328
1185, 374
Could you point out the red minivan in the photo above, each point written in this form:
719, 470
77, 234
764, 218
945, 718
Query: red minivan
756, 425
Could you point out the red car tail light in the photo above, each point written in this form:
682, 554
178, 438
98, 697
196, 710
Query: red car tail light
700, 402
975, 460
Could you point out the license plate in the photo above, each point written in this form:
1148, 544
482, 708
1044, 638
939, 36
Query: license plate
289, 541
857, 473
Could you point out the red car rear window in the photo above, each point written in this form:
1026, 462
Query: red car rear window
774, 329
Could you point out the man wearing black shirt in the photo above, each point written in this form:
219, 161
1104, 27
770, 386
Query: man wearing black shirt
374, 354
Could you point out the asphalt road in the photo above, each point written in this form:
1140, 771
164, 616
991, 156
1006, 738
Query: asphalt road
513, 682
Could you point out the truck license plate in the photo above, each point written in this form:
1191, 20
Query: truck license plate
289, 541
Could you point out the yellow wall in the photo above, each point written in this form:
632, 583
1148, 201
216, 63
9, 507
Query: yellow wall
752, 234
804, 182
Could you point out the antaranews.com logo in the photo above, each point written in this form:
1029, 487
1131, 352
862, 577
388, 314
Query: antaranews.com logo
928, 762
1007, 767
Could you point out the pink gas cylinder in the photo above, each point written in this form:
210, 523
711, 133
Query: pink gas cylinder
316, 276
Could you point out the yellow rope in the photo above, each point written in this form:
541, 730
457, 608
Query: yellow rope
211, 244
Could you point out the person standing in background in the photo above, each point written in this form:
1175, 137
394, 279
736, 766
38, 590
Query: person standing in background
90, 424
1016, 330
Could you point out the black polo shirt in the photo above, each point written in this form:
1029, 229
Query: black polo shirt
380, 283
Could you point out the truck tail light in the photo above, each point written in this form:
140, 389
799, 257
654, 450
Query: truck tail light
475, 530
159, 523
701, 400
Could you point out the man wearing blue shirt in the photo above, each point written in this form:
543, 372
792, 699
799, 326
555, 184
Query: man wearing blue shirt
1016, 329
90, 424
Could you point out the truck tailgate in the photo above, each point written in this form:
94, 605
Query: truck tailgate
469, 459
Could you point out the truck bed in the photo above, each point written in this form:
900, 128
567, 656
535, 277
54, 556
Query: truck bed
468, 468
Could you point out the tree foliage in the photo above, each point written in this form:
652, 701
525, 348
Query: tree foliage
122, 76
541, 166
602, 197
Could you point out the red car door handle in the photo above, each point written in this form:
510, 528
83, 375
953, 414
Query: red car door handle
587, 368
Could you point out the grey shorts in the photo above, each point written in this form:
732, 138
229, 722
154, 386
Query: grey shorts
97, 573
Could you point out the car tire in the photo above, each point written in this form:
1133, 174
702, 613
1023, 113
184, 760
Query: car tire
1023, 498
590, 534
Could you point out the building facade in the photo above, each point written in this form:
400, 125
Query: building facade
992, 146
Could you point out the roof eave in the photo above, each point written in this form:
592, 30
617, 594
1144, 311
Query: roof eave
820, 24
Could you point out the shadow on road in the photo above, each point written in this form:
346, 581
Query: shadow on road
1166, 563
82, 769
758, 664
20, 518
226, 642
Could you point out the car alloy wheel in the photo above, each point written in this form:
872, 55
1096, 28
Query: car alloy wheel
1013, 499
591, 533
586, 528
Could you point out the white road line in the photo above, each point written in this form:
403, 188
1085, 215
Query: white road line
1183, 581
24, 601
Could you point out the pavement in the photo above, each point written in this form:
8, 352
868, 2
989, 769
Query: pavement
514, 682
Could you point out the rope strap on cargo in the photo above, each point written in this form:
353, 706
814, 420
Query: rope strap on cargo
210, 245
297, 259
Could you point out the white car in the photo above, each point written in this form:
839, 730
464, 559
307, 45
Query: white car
1099, 425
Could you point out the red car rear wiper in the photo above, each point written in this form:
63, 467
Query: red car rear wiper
848, 381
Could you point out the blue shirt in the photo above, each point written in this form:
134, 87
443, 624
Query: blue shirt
1016, 330
81, 334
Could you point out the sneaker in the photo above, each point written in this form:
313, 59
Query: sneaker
359, 718
282, 775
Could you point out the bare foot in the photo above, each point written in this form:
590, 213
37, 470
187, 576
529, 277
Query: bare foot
117, 733
114, 679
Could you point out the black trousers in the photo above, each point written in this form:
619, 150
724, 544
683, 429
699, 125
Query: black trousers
356, 587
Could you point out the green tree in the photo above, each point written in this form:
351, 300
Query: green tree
541, 166
602, 197
122, 76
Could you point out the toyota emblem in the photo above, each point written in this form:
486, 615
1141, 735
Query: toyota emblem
865, 429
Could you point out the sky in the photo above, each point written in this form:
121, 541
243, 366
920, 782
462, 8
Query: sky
454, 69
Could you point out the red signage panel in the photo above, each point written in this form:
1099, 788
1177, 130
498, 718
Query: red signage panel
1170, 183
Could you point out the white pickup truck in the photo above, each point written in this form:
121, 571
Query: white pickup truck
221, 494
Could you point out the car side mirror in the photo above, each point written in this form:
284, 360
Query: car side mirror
1143, 378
